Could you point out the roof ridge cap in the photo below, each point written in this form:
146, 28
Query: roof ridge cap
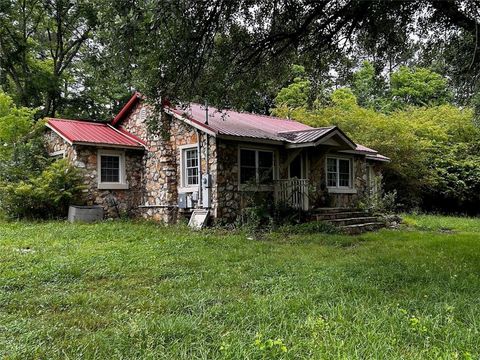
79, 120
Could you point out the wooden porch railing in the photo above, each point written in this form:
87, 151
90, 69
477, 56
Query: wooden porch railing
293, 192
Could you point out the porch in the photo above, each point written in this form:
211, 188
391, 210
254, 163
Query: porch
292, 192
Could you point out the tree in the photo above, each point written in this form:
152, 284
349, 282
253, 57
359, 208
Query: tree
39, 42
297, 93
21, 152
367, 86
418, 87
434, 150
175, 47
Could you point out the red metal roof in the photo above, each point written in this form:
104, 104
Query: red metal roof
127, 108
228, 122
76, 131
242, 124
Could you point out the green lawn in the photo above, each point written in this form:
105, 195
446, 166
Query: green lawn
140, 290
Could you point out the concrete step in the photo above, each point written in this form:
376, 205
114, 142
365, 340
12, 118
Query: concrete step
361, 228
340, 215
354, 221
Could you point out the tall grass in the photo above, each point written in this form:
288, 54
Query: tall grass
140, 290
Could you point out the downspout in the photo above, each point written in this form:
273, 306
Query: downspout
199, 150
207, 147
207, 138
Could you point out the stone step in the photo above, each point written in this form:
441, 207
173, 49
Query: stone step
354, 221
361, 228
340, 215
332, 210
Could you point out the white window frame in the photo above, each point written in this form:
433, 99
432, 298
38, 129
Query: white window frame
350, 189
183, 168
122, 184
257, 174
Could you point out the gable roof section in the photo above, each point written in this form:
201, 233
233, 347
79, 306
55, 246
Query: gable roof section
127, 108
260, 127
253, 127
92, 133
316, 136
240, 124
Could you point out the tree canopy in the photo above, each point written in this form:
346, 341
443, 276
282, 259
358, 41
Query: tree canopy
400, 76
67, 56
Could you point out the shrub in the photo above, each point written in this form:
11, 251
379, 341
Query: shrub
263, 213
379, 203
47, 195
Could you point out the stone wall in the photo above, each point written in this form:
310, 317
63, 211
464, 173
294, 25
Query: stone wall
322, 197
161, 165
115, 202
54, 144
229, 196
232, 198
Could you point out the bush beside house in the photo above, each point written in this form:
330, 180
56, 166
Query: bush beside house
32, 185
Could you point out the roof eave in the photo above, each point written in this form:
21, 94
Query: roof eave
192, 122
59, 133
116, 146
299, 145
381, 159
250, 139
126, 109
127, 135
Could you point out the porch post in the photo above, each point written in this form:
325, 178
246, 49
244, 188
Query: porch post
307, 177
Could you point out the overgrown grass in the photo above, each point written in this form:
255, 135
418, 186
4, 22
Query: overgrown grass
442, 223
140, 290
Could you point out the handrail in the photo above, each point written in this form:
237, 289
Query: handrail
293, 192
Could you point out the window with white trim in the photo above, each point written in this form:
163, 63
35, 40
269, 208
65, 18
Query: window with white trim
190, 167
339, 173
256, 166
111, 170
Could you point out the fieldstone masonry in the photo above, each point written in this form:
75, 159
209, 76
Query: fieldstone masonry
161, 165
116, 203
154, 175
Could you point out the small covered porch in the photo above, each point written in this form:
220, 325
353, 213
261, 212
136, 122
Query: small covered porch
323, 168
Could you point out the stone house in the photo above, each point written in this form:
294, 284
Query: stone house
162, 167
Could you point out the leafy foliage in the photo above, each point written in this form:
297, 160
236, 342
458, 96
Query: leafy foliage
418, 87
368, 86
434, 150
30, 185
22, 152
297, 93
44, 196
